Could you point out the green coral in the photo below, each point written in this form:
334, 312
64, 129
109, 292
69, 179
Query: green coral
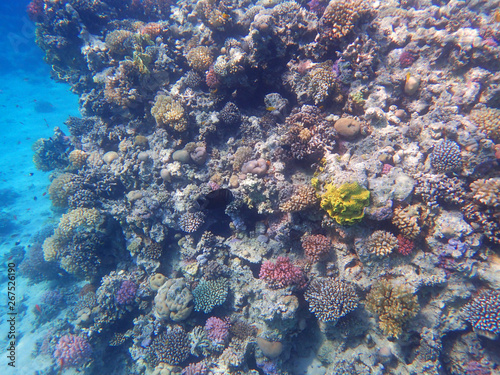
345, 203
394, 305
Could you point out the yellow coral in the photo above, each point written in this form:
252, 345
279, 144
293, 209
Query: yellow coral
346, 203
81, 218
394, 304
168, 112
61, 188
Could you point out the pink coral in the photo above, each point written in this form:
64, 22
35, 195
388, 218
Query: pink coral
282, 273
217, 330
72, 350
126, 293
316, 246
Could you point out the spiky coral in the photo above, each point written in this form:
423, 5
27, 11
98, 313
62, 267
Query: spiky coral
394, 304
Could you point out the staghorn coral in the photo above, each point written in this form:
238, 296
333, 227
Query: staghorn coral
483, 312
345, 203
339, 18
173, 300
487, 191
381, 243
446, 157
210, 293
316, 246
169, 113
330, 299
488, 121
199, 58
394, 305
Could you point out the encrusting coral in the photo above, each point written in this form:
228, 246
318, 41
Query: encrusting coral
394, 304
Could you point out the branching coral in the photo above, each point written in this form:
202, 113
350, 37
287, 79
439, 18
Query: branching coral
411, 219
488, 121
302, 198
483, 312
340, 17
169, 113
331, 299
199, 58
316, 246
281, 273
381, 243
487, 191
210, 293
346, 203
394, 304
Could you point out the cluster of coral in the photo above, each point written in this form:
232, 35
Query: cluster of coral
255, 180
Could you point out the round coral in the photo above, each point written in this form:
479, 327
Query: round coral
72, 351
282, 273
316, 246
382, 243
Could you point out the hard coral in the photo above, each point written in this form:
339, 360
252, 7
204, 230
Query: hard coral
483, 312
411, 219
382, 243
345, 204
190, 222
394, 304
488, 121
302, 198
282, 273
199, 58
316, 246
72, 351
487, 191
330, 299
340, 17
173, 301
446, 157
171, 347
169, 113
210, 293
217, 330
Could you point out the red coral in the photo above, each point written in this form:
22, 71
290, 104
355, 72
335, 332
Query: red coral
211, 79
282, 273
405, 245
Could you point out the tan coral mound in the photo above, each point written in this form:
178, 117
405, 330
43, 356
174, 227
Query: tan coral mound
382, 243
488, 121
340, 17
169, 113
303, 198
394, 305
487, 191
199, 58
411, 219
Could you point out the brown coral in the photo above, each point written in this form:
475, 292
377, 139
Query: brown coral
62, 188
316, 246
382, 243
169, 113
394, 305
340, 17
303, 197
200, 58
488, 121
411, 219
77, 158
487, 191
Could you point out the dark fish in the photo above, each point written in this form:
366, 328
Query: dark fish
217, 199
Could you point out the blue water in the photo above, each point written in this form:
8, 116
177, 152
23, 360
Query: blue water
31, 105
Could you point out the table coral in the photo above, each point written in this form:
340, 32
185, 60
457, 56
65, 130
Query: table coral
394, 305
330, 299
345, 203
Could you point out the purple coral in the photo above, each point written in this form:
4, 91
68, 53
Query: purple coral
126, 293
72, 350
217, 330
199, 368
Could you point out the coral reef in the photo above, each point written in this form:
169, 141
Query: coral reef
345, 204
72, 351
484, 314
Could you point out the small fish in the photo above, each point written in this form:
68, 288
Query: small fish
226, 16
17, 243
31, 174
35, 198
270, 109
15, 217
38, 308
44, 194
217, 199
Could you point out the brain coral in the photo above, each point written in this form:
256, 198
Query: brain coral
381, 243
483, 312
173, 300
330, 299
394, 304
346, 203
487, 191
170, 113
446, 157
